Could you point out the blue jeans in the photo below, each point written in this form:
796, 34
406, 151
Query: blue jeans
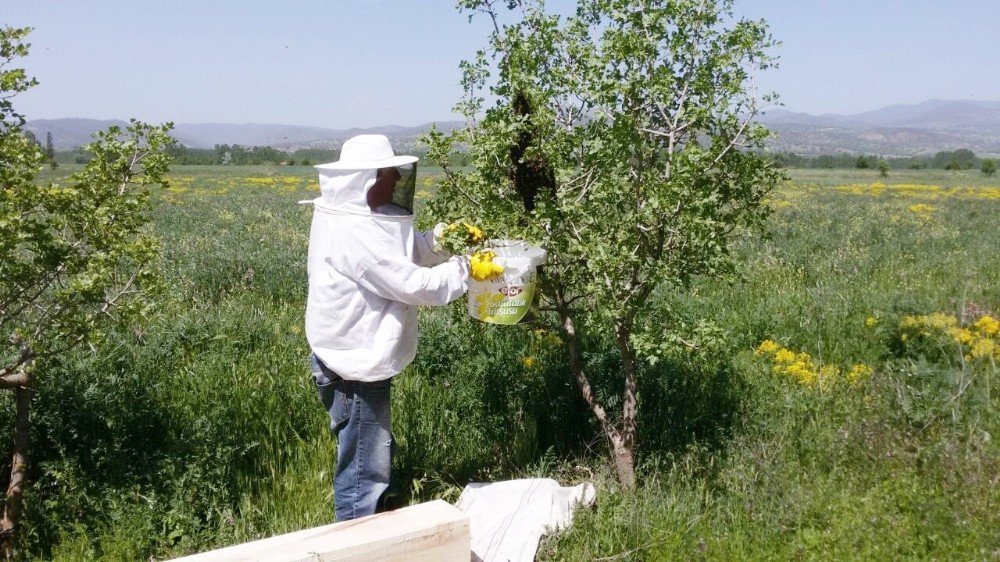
360, 417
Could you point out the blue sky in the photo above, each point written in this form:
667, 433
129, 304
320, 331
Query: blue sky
347, 63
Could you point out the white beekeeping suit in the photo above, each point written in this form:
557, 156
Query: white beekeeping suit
368, 270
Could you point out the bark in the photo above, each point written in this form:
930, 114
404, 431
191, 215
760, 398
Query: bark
625, 452
18, 470
14, 381
576, 366
624, 464
622, 441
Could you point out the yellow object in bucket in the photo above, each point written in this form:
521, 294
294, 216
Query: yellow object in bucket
483, 267
504, 279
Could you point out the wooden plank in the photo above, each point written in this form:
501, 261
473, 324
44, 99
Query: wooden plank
432, 531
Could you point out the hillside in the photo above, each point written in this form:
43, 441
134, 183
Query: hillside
902, 130
72, 132
895, 130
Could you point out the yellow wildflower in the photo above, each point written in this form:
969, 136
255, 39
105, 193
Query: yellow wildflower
800, 367
871, 322
977, 339
858, 372
476, 234
934, 322
987, 326
767, 346
982, 348
461, 235
963, 336
801, 372
529, 362
483, 267
922, 209
784, 356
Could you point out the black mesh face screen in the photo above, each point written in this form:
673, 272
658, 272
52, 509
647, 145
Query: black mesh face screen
402, 196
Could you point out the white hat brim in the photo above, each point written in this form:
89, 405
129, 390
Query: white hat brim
368, 164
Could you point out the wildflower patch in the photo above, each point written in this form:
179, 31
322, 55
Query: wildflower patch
976, 340
800, 367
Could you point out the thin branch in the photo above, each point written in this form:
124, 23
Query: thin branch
46, 282
465, 194
754, 110
587, 184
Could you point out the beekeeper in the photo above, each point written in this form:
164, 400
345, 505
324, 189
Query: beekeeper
368, 271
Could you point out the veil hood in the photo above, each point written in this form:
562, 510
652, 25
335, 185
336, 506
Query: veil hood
346, 190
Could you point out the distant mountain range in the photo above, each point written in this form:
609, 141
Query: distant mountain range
896, 130
74, 132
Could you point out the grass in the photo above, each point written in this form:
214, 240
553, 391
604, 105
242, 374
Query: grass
895, 468
943, 178
198, 427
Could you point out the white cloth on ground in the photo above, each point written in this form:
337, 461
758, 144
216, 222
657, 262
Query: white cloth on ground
507, 519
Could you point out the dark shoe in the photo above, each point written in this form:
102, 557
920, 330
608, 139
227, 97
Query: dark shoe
391, 500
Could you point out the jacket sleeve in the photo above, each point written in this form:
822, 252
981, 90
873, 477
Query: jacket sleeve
423, 248
398, 279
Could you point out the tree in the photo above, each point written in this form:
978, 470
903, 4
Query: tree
73, 257
623, 140
989, 167
961, 159
31, 138
883, 168
825, 161
862, 163
50, 150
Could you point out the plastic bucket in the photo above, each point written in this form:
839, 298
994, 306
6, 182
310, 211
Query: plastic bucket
507, 299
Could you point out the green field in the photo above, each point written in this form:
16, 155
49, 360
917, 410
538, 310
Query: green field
198, 427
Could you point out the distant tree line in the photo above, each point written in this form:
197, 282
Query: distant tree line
239, 155
48, 151
961, 159
232, 155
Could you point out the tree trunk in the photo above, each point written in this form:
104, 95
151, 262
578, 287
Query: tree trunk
622, 442
18, 470
625, 450
624, 463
